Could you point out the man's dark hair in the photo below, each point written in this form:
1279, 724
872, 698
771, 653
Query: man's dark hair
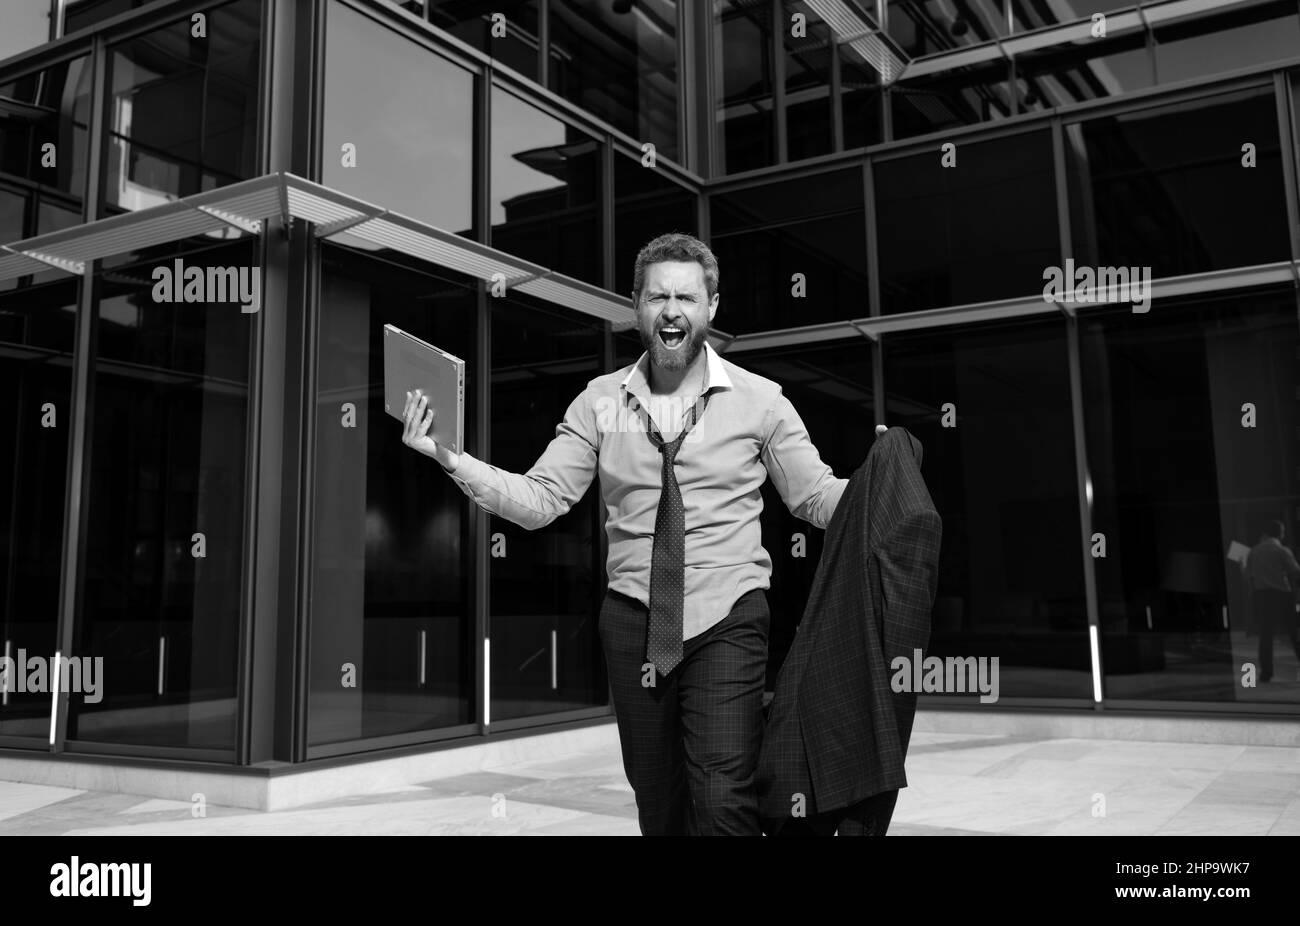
675, 246
1274, 529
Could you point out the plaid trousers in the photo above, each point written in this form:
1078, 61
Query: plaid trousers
690, 742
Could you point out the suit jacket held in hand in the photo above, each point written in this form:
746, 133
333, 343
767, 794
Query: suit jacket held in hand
837, 733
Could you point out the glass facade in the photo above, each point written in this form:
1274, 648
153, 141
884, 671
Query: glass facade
389, 139
619, 62
955, 216
393, 622
799, 252
165, 538
1100, 468
1185, 466
183, 112
991, 405
545, 183
546, 584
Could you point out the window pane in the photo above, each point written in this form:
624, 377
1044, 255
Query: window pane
1002, 475
1086, 70
1027, 16
763, 236
390, 561
413, 139
861, 99
546, 588
50, 107
1235, 39
27, 25
830, 387
471, 22
1180, 474
743, 74
926, 27
647, 204
545, 189
183, 112
807, 86
957, 97
162, 599
983, 229
619, 62
1165, 188
36, 342
82, 14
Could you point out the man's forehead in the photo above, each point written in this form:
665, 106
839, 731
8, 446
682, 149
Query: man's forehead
675, 275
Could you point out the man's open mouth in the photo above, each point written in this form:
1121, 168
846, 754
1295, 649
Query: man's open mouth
672, 336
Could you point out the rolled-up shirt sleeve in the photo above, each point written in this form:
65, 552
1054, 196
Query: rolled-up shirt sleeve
556, 482
806, 484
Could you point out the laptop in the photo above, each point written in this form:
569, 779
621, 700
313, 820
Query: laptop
411, 364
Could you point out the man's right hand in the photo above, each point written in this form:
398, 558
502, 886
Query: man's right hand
418, 420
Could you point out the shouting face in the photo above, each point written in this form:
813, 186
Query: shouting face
674, 313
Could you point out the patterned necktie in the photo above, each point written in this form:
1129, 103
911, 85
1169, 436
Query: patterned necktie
668, 560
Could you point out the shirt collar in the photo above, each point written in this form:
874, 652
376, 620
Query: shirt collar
715, 375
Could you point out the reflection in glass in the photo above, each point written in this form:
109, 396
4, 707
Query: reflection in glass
49, 107
390, 567
36, 342
982, 231
546, 588
763, 236
927, 27
162, 586
1027, 15
83, 14
412, 140
1002, 475
27, 25
1088, 69
1156, 189
646, 204
619, 62
545, 189
830, 387
743, 75
471, 21
183, 111
807, 87
1182, 485
1237, 38
861, 101
947, 99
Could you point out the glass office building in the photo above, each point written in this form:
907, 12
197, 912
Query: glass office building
201, 484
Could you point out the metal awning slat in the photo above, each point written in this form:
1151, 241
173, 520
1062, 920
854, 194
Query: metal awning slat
248, 204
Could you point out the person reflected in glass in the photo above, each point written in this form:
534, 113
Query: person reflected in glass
1273, 573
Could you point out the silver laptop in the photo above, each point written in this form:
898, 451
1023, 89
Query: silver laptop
411, 364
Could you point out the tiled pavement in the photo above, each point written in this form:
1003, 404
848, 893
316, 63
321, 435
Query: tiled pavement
960, 784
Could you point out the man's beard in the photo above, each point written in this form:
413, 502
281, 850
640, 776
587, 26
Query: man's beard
677, 359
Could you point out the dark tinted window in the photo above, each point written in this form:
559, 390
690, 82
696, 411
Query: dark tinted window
619, 62
1191, 413
546, 584
1167, 187
981, 229
183, 110
991, 405
391, 564
646, 205
545, 189
412, 140
791, 252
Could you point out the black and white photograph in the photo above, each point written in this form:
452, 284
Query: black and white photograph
652, 418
